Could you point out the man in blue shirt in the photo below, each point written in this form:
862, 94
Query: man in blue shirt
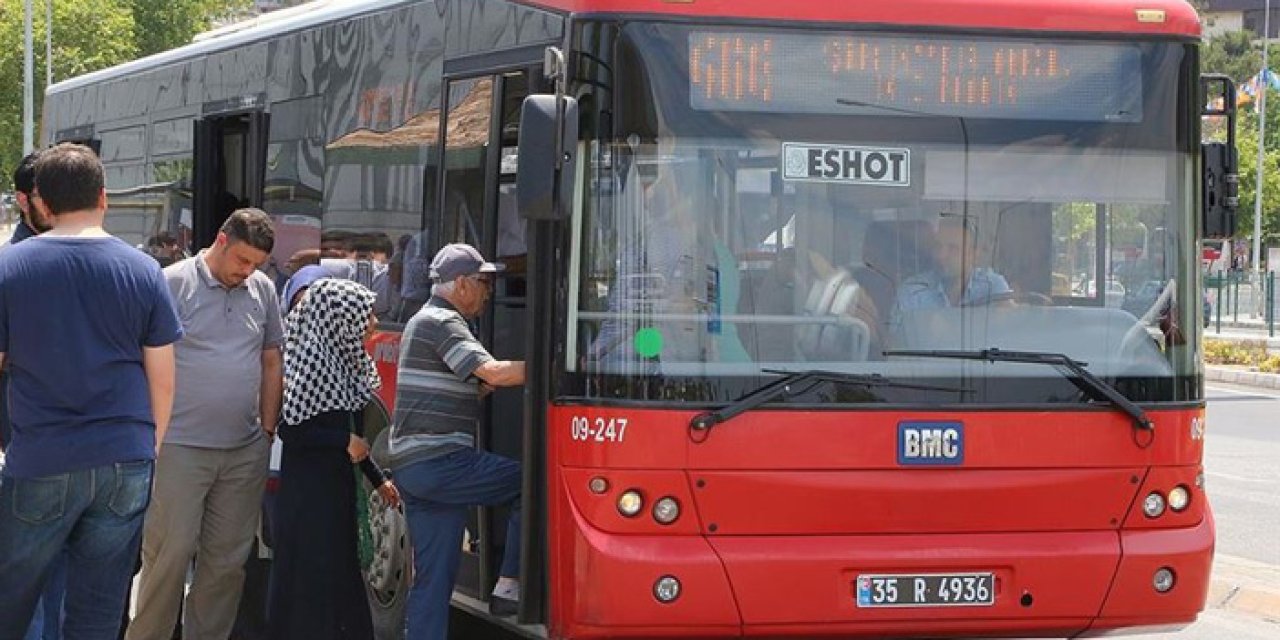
955, 280
87, 328
48, 616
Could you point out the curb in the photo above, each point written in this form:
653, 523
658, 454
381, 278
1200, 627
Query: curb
1241, 376
1246, 586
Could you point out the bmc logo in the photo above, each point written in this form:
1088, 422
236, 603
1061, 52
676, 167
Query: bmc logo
925, 443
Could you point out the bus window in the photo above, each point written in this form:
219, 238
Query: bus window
466, 140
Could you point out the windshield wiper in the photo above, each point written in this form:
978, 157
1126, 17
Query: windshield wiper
1082, 378
794, 383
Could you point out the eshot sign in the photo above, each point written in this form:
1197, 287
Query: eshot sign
876, 166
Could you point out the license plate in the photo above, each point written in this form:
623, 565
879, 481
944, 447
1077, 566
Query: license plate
926, 590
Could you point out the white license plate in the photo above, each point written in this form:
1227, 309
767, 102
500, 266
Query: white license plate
926, 590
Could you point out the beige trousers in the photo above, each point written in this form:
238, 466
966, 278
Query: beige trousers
205, 505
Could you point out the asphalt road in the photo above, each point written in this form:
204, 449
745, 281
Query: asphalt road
1242, 445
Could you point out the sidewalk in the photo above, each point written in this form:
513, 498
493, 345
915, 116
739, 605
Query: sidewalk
1246, 586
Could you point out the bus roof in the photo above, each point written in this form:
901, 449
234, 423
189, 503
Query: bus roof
1158, 17
241, 33
1130, 17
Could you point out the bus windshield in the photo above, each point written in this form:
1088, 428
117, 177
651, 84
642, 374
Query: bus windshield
779, 200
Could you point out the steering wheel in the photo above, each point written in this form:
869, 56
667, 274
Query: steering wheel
1128, 344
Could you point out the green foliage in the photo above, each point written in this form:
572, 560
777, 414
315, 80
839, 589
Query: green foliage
1248, 353
1247, 146
1233, 54
89, 35
1239, 56
166, 24
1244, 352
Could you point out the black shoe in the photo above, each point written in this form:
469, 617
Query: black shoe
502, 607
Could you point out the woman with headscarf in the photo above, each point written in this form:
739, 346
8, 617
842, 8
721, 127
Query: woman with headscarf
317, 591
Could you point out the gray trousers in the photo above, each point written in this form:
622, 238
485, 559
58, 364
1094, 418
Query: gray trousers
206, 504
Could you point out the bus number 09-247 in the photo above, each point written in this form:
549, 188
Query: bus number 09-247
584, 429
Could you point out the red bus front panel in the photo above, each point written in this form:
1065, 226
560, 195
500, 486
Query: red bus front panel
782, 513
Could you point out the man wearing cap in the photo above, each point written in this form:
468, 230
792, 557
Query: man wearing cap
443, 373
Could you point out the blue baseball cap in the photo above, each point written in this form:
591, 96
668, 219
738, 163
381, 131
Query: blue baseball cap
456, 260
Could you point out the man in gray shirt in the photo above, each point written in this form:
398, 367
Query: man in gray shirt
212, 469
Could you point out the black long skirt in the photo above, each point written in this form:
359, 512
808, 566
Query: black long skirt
317, 591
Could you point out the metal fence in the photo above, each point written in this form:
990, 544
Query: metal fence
1241, 301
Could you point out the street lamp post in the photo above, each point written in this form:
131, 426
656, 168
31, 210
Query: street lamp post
1263, 84
28, 85
48, 42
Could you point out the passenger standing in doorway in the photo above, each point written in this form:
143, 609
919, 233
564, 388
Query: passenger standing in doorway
87, 327
443, 373
212, 469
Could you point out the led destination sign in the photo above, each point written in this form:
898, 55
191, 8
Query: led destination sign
789, 72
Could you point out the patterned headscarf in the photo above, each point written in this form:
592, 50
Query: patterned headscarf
325, 365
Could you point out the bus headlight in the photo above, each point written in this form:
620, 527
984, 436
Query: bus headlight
1179, 498
1153, 506
630, 503
666, 510
666, 589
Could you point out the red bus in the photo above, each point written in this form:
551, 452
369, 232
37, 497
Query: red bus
804, 288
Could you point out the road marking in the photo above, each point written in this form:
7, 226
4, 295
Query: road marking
1242, 393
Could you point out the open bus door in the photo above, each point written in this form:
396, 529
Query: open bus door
478, 205
230, 169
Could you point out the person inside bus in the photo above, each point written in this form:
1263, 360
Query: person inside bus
955, 279
317, 589
678, 267
443, 373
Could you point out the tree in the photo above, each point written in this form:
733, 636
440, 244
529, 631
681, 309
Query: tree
1247, 146
166, 24
87, 35
1233, 54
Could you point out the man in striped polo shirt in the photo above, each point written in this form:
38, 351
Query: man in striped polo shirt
443, 373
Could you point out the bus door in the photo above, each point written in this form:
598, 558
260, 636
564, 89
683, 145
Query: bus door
478, 201
230, 165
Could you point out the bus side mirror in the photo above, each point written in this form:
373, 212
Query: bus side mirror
1220, 188
1220, 191
548, 143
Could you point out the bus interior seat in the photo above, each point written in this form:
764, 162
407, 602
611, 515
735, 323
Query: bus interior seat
838, 327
